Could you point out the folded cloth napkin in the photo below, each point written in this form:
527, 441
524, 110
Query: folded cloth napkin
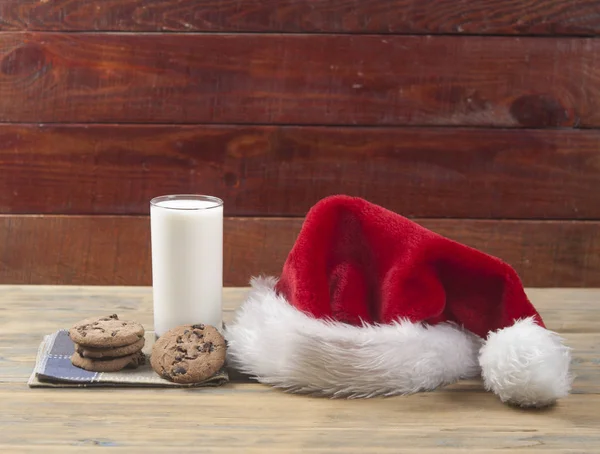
53, 369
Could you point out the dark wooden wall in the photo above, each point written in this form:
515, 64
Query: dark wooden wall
478, 118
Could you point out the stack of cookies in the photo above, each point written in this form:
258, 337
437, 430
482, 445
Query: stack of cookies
107, 344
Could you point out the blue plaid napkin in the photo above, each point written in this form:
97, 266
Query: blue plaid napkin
53, 368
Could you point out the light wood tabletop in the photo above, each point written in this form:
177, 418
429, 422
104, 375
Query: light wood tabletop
243, 416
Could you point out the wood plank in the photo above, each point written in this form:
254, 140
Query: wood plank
276, 421
540, 17
114, 250
299, 79
566, 310
282, 171
93, 445
301, 422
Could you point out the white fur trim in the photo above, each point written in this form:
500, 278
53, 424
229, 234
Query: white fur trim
281, 346
526, 365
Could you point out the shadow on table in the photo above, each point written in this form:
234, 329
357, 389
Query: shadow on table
236, 376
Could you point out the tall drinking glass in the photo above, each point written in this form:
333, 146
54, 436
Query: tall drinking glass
187, 260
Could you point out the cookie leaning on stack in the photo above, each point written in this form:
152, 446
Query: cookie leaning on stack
107, 344
189, 353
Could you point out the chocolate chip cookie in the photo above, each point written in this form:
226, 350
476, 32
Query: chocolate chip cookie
104, 332
110, 352
110, 364
189, 353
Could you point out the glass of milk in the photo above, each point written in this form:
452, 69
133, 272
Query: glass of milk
187, 260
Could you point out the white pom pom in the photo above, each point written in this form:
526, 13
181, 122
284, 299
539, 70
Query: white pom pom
526, 365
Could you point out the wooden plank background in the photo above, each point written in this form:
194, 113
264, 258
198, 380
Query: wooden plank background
533, 17
480, 119
300, 79
282, 171
114, 250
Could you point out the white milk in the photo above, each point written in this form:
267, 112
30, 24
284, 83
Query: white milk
187, 261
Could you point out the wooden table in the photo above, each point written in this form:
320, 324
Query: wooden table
249, 417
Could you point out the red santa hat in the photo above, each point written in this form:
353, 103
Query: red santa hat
370, 303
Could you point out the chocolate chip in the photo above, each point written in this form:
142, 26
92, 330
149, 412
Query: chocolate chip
179, 370
83, 333
124, 324
198, 326
207, 347
114, 333
179, 340
114, 316
199, 334
186, 331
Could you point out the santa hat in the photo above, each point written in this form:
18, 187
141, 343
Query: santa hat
370, 303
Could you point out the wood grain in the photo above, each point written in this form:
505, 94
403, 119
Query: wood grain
299, 79
135, 419
96, 445
114, 250
256, 418
566, 310
282, 171
540, 17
